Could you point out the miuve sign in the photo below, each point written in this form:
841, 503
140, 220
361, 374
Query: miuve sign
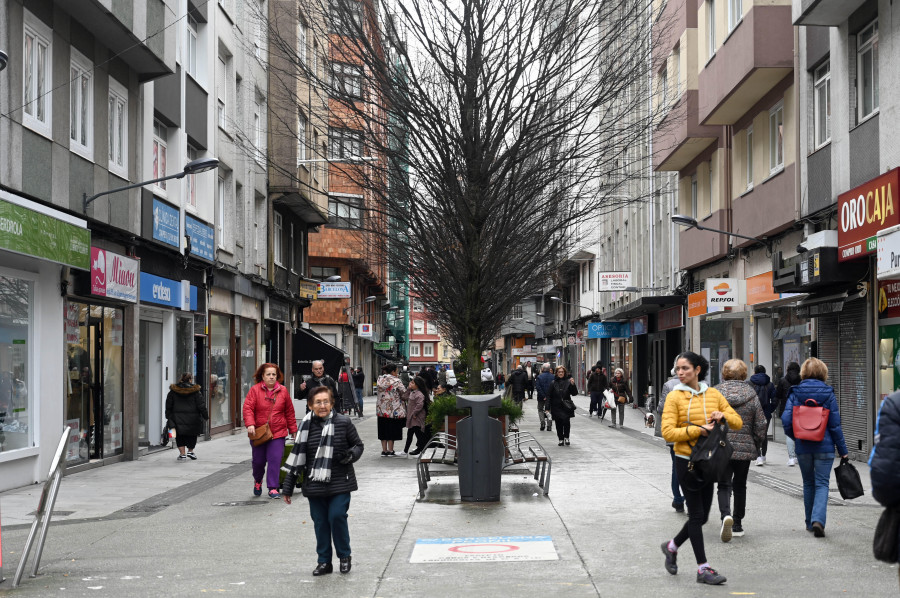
864, 211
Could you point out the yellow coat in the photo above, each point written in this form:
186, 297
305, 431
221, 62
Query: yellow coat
675, 416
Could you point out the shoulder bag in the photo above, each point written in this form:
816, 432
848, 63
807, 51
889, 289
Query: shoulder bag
263, 433
809, 421
711, 453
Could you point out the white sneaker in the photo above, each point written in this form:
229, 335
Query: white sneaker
760, 461
725, 533
401, 454
792, 462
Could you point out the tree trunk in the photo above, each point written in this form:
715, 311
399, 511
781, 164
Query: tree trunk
473, 353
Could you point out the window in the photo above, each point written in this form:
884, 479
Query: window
291, 253
867, 69
278, 238
711, 24
345, 79
301, 139
414, 349
315, 169
418, 305
36, 75
822, 104
220, 208
257, 132
321, 273
427, 349
191, 178
221, 91
708, 206
676, 70
346, 17
190, 62
694, 196
81, 106
517, 312
749, 159
344, 211
345, 143
259, 39
21, 388
160, 138
315, 58
663, 85
776, 138
302, 31
591, 270
418, 326
118, 128
430, 328
735, 12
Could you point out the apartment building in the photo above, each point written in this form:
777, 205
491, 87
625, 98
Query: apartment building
72, 99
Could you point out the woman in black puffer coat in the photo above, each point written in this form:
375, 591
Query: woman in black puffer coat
326, 447
186, 412
562, 388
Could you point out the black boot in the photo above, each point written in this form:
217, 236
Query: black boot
345, 565
323, 569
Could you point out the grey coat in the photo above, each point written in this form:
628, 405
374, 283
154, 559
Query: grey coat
742, 398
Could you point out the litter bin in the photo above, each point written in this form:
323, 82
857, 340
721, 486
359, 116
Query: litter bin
479, 441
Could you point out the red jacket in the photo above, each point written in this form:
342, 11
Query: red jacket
257, 407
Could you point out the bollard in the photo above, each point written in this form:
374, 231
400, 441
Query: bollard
479, 439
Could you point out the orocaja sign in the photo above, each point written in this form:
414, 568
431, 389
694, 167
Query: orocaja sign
865, 210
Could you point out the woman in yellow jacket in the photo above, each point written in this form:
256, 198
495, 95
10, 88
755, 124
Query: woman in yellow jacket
695, 402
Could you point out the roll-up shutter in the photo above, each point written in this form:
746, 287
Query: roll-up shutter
854, 385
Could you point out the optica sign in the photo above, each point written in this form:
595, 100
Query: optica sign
865, 210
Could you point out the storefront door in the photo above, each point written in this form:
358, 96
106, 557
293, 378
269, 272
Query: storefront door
150, 399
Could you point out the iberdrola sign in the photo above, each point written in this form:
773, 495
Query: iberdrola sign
864, 211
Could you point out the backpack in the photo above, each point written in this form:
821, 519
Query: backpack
762, 392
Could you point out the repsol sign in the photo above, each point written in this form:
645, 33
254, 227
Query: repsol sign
864, 211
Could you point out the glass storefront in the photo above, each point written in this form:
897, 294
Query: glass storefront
717, 346
220, 377
184, 348
248, 356
791, 340
16, 403
94, 387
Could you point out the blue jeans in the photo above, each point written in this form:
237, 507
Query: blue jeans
816, 471
329, 515
789, 442
676, 489
359, 399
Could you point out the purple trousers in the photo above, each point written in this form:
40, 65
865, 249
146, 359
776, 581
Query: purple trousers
271, 452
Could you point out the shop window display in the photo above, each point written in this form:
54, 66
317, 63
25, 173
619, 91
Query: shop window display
220, 370
16, 404
248, 357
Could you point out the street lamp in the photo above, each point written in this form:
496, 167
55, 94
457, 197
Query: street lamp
193, 167
369, 299
559, 299
692, 223
335, 278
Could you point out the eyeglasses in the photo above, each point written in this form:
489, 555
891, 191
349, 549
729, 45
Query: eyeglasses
322, 403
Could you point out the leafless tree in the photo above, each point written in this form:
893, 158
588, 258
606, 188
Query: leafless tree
495, 127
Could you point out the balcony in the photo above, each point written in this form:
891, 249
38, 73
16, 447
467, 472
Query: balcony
698, 247
129, 29
756, 56
827, 13
680, 137
766, 210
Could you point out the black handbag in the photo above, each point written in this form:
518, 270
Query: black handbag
710, 454
887, 536
849, 484
569, 406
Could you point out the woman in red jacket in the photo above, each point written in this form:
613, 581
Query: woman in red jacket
268, 401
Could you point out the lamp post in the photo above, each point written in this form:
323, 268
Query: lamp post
559, 300
690, 222
193, 167
368, 299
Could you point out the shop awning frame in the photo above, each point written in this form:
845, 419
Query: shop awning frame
644, 306
308, 347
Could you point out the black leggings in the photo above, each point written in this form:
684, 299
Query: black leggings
765, 445
698, 498
184, 440
563, 426
420, 438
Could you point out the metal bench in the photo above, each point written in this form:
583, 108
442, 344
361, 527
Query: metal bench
520, 447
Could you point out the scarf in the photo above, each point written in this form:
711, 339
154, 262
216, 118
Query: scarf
321, 466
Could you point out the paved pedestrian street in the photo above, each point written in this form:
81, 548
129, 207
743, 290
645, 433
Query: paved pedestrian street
157, 527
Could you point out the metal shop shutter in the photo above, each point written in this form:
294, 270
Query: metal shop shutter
828, 348
854, 384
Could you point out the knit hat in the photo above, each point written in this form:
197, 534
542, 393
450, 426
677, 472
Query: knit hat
618, 371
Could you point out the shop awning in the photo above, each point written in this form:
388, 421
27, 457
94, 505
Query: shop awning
823, 304
308, 347
644, 306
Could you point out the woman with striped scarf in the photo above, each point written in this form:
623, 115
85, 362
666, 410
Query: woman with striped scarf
320, 463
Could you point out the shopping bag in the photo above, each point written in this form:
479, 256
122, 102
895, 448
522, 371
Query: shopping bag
887, 536
849, 484
609, 399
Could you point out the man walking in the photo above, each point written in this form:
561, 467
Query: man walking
542, 384
765, 390
597, 383
359, 379
517, 384
530, 375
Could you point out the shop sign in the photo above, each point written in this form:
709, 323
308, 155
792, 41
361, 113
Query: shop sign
384, 346
71, 316
364, 331
279, 310
864, 211
116, 334
163, 291
500, 343
696, 304
639, 326
26, 231
116, 431
570, 340
203, 238
760, 290
545, 349
308, 290
722, 292
526, 350
888, 256
888, 299
670, 318
609, 330
613, 281
114, 275
73, 439
166, 224
333, 290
